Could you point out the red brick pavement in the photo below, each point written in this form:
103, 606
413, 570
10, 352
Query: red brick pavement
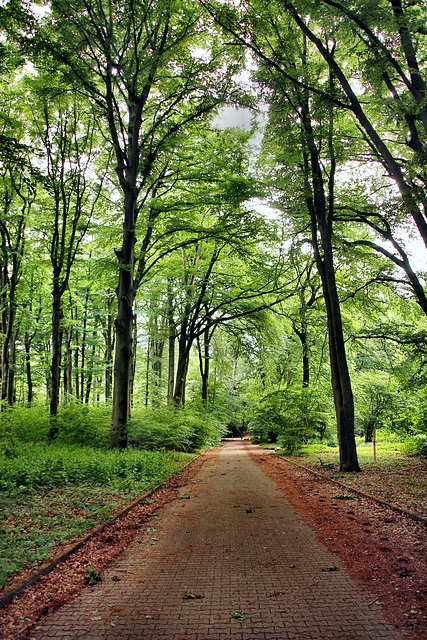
227, 560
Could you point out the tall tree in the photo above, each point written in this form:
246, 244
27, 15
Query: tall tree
17, 195
138, 62
66, 140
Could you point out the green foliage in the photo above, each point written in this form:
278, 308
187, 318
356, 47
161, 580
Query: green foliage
60, 465
167, 428
80, 424
27, 424
76, 424
288, 417
416, 445
378, 405
65, 491
227, 407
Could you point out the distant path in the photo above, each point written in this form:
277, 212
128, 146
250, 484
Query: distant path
232, 539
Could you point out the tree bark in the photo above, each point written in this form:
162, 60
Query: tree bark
27, 341
109, 349
123, 358
90, 373
55, 369
11, 394
171, 354
321, 229
204, 361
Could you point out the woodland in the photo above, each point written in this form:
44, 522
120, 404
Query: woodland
169, 277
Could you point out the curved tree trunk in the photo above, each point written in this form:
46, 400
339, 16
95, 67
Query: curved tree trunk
321, 232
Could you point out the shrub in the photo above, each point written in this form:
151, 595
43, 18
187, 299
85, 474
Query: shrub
168, 428
26, 424
80, 424
61, 465
416, 445
287, 417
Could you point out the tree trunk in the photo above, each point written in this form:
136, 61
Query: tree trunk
27, 342
12, 368
109, 350
205, 376
68, 369
55, 370
321, 225
181, 378
123, 358
157, 348
341, 384
147, 373
83, 344
171, 355
204, 367
302, 335
90, 374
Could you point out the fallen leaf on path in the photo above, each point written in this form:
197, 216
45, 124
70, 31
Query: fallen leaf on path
192, 596
238, 615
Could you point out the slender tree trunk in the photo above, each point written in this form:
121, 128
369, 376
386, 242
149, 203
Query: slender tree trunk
83, 344
68, 368
27, 343
76, 365
172, 337
147, 372
109, 349
12, 368
302, 335
321, 225
204, 367
90, 373
157, 359
181, 378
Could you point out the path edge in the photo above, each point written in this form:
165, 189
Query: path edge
394, 507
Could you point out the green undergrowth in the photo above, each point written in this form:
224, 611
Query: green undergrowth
54, 494
389, 450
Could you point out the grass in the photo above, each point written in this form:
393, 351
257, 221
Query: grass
389, 451
395, 476
52, 495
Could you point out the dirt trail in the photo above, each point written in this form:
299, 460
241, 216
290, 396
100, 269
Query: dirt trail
228, 559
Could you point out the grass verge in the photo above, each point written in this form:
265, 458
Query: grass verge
54, 495
394, 476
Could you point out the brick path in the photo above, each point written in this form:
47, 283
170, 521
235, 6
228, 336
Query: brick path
227, 560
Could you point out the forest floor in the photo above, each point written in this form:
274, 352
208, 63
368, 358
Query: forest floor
384, 550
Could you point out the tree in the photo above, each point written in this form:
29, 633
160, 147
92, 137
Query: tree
66, 136
284, 55
138, 64
18, 192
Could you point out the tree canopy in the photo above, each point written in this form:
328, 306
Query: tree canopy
142, 232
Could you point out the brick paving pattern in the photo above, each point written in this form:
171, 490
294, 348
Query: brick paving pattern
227, 560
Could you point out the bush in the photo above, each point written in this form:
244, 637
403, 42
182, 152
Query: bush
168, 428
287, 417
27, 424
76, 424
80, 424
60, 465
416, 445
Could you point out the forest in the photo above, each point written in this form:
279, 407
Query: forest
213, 218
